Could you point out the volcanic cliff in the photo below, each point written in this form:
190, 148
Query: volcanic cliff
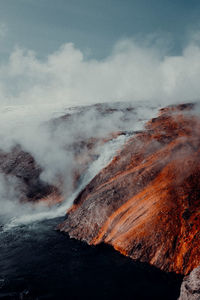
146, 202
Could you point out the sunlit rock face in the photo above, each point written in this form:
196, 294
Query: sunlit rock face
145, 203
190, 289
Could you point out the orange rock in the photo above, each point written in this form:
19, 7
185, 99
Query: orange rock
146, 202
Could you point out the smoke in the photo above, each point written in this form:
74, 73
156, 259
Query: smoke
8, 194
33, 92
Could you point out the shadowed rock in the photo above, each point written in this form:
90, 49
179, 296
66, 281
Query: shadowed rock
23, 167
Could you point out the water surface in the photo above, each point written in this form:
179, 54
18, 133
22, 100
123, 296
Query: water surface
37, 262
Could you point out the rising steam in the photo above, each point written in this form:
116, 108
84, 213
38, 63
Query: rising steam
132, 72
33, 92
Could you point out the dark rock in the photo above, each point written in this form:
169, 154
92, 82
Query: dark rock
21, 165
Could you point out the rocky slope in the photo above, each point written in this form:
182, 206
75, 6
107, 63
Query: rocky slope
145, 203
190, 289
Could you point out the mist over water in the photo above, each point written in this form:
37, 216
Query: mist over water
49, 134
41, 212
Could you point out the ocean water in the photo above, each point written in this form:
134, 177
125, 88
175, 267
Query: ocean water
37, 262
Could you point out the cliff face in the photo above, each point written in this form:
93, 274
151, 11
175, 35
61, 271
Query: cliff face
190, 288
146, 202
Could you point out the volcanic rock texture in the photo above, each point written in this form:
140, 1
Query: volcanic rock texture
190, 289
146, 202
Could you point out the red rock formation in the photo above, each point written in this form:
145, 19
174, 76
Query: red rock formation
146, 202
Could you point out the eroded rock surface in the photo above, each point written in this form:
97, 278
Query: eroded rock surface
190, 288
145, 203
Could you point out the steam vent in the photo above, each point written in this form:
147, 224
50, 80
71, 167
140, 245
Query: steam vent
146, 202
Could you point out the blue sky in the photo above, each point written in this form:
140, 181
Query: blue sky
94, 26
89, 51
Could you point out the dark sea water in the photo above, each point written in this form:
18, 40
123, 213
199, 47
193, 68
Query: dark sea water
37, 262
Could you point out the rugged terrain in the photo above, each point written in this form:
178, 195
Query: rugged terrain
145, 203
190, 289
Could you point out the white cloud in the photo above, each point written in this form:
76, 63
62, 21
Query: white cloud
131, 72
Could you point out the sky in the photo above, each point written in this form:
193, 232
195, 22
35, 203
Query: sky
88, 51
94, 26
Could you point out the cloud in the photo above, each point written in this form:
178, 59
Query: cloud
132, 72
